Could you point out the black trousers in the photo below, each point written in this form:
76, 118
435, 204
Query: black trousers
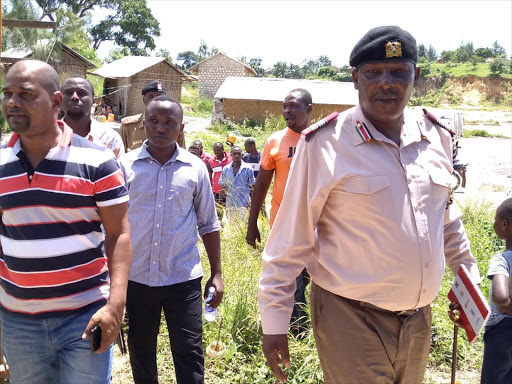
182, 307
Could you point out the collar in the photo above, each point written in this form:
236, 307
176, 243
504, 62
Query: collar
364, 131
65, 139
223, 159
179, 154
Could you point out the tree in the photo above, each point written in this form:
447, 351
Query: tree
131, 26
431, 53
164, 53
498, 50
310, 67
327, 72
129, 22
19, 37
189, 59
324, 61
71, 30
484, 53
448, 55
117, 53
280, 69
422, 50
498, 65
255, 63
464, 52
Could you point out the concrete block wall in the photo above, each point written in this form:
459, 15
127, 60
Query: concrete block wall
237, 110
170, 77
214, 71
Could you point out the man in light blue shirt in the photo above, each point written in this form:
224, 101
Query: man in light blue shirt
171, 202
237, 179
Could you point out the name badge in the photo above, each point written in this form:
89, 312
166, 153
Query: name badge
217, 169
255, 167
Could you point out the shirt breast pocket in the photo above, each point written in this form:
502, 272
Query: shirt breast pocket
180, 199
368, 197
441, 183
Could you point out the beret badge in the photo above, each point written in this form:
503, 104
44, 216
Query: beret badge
393, 49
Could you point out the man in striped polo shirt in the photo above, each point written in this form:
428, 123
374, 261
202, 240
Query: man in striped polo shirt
59, 275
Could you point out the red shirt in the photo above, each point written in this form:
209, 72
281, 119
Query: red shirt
206, 158
216, 166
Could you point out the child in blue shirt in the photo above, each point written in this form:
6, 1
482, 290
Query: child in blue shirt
497, 365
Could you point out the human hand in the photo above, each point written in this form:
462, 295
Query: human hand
109, 320
275, 348
454, 314
253, 234
216, 282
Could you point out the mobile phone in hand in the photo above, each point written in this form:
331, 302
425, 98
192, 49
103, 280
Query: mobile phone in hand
95, 338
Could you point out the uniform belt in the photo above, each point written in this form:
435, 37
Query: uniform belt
408, 312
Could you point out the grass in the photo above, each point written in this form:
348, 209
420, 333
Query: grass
193, 104
463, 69
482, 133
241, 331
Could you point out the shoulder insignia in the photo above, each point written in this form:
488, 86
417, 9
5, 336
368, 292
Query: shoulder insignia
435, 121
131, 119
308, 132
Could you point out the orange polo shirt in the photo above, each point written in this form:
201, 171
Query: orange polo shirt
277, 154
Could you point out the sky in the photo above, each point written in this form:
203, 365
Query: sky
294, 31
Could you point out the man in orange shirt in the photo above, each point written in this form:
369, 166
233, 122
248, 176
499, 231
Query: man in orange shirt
276, 158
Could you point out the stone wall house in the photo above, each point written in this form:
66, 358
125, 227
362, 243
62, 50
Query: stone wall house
125, 78
66, 61
256, 98
213, 71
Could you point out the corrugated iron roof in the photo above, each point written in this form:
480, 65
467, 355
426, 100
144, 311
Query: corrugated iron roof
16, 53
196, 67
24, 53
130, 65
271, 89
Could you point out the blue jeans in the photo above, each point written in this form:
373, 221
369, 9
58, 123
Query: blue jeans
52, 351
497, 365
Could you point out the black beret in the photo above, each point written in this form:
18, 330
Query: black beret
381, 44
154, 86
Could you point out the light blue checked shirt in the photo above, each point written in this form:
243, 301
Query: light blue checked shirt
239, 185
169, 205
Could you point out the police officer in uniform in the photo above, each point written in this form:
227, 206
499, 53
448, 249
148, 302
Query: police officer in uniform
366, 210
132, 127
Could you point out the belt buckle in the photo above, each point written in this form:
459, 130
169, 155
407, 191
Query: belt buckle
408, 312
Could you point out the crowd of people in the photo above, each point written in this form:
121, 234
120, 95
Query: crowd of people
93, 221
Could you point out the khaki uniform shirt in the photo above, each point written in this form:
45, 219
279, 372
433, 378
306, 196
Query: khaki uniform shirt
133, 134
383, 229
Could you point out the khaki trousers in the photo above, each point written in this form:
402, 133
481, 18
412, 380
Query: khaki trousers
358, 343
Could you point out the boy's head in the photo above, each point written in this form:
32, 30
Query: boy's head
503, 220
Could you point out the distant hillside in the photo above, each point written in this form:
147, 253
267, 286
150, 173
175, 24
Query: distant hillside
464, 85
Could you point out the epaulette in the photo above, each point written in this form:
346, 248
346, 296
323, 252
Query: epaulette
131, 119
308, 132
436, 121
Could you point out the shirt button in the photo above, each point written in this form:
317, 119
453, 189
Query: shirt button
154, 262
157, 225
159, 206
156, 243
424, 291
161, 186
151, 162
427, 265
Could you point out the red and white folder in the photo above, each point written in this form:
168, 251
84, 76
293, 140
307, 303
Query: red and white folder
474, 308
